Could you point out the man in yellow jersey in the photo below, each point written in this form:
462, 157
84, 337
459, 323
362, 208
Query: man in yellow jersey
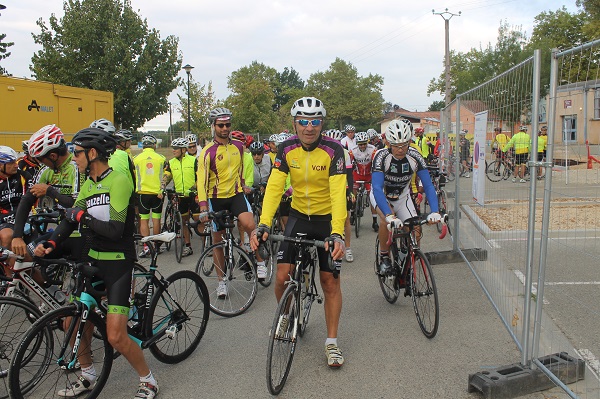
149, 166
182, 170
522, 143
317, 170
221, 186
422, 142
542, 143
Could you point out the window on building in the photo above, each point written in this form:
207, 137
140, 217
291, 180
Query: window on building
570, 128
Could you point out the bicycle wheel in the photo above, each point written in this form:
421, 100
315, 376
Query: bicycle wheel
388, 284
358, 212
282, 340
182, 309
495, 171
168, 224
44, 375
424, 295
450, 175
16, 317
178, 240
239, 277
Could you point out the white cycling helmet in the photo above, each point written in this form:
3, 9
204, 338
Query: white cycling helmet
48, 138
219, 113
103, 124
399, 131
148, 139
273, 137
7, 155
361, 137
308, 106
281, 137
372, 133
192, 139
334, 134
180, 142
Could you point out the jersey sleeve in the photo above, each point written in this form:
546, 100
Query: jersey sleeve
202, 177
275, 187
337, 191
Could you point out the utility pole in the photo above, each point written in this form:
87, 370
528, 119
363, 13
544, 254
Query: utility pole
447, 15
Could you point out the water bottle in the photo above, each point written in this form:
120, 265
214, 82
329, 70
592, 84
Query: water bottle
57, 294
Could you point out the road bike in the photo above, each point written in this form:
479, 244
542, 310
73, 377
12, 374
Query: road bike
293, 309
411, 271
167, 315
174, 223
227, 263
361, 203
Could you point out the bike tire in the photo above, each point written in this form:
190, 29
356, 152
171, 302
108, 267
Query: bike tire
388, 284
182, 307
442, 206
44, 373
282, 346
306, 301
424, 294
495, 171
241, 281
16, 318
168, 224
178, 240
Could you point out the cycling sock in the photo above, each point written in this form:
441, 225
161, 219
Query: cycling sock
383, 254
89, 373
261, 263
330, 341
149, 378
188, 245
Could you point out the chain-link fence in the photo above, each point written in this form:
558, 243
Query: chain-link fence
524, 207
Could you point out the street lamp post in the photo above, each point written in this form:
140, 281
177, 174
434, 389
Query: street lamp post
447, 15
188, 69
170, 122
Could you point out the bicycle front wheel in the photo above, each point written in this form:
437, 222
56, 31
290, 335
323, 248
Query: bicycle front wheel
16, 317
442, 206
282, 340
178, 240
358, 211
181, 310
424, 294
237, 275
495, 171
50, 372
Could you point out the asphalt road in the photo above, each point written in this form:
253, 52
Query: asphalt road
386, 354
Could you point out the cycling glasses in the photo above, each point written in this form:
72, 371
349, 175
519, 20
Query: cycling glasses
222, 125
305, 122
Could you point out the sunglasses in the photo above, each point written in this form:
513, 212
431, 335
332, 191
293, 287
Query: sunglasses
305, 122
77, 152
222, 125
400, 146
192, 146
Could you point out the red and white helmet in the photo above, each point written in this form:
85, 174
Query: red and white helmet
46, 139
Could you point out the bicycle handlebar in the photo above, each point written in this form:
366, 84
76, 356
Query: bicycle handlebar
333, 265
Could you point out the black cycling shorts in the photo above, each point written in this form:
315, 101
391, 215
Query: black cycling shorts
314, 231
187, 204
117, 276
236, 204
284, 207
148, 202
521, 159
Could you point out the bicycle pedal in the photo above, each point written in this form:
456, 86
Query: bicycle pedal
319, 299
171, 331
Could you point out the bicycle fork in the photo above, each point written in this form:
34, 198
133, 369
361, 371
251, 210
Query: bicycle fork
86, 304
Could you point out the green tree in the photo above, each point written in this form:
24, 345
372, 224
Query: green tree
202, 100
348, 97
252, 98
289, 82
4, 53
106, 45
591, 10
470, 69
436, 106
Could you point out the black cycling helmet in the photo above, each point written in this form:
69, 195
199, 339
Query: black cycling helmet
257, 148
103, 141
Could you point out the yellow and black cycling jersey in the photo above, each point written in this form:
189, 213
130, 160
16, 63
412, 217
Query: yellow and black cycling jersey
318, 175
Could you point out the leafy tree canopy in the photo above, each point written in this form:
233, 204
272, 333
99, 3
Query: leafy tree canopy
202, 100
106, 45
4, 53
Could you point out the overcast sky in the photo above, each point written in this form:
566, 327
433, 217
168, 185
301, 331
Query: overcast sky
400, 40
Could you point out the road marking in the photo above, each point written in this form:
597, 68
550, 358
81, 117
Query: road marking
590, 360
572, 283
521, 277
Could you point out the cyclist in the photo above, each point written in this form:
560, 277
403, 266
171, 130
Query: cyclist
104, 207
422, 142
193, 145
119, 160
374, 139
13, 185
350, 198
220, 181
348, 142
248, 180
393, 169
362, 157
28, 163
317, 169
271, 143
59, 180
542, 143
522, 142
182, 170
286, 198
464, 147
149, 167
262, 169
